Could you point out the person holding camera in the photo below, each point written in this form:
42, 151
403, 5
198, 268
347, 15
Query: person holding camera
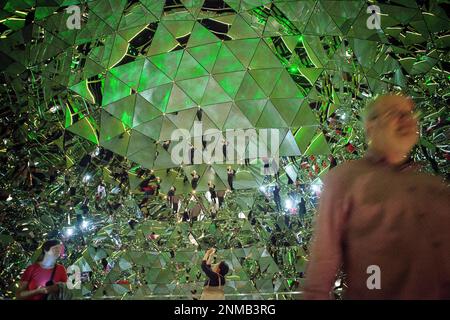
213, 289
44, 277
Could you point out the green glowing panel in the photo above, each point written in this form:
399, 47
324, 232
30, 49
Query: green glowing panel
286, 87
85, 128
168, 62
150, 128
68, 117
200, 36
218, 113
305, 116
235, 4
183, 119
291, 10
189, 68
365, 51
155, 7
118, 144
303, 137
114, 90
144, 111
179, 100
193, 6
264, 58
42, 12
158, 96
142, 155
252, 109
237, 120
178, 29
288, 108
227, 62
318, 146
243, 49
129, 73
241, 30
103, 10
151, 77
139, 16
110, 127
83, 90
314, 49
123, 109
139, 142
270, 118
194, 88
321, 23
163, 41
311, 74
249, 89
167, 128
230, 82
266, 78
206, 54
117, 50
289, 146
274, 28
214, 93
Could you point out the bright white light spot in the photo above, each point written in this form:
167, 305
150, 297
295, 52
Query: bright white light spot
262, 189
84, 224
86, 178
69, 232
9, 198
192, 240
289, 204
343, 116
316, 187
55, 108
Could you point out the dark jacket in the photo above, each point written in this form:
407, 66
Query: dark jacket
213, 277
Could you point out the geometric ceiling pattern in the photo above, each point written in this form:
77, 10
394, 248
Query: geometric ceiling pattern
168, 267
137, 70
233, 84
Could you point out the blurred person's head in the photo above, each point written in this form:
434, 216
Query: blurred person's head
51, 251
221, 268
391, 126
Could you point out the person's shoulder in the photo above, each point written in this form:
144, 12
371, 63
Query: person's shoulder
33, 266
344, 170
432, 182
60, 267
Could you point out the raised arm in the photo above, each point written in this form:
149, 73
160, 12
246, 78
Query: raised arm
206, 263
